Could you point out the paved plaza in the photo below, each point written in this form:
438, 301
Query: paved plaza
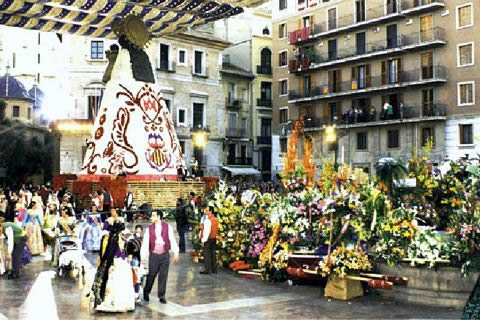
39, 294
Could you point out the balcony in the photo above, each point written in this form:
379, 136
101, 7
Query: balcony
263, 102
420, 6
264, 140
404, 43
242, 161
388, 81
233, 103
236, 133
267, 70
358, 20
410, 114
352, 21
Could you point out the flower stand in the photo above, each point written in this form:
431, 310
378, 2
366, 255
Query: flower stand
343, 289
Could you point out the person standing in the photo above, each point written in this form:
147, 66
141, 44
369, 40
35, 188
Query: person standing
16, 241
158, 240
128, 204
181, 218
209, 240
107, 200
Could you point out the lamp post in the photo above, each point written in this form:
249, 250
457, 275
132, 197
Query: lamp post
330, 135
199, 141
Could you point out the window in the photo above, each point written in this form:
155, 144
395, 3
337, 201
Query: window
231, 92
244, 126
361, 43
466, 93
266, 127
282, 5
282, 58
393, 139
466, 133
29, 113
428, 134
283, 87
464, 16
307, 22
284, 115
266, 58
360, 12
427, 102
16, 111
427, 65
361, 141
38, 58
182, 57
465, 54
266, 91
198, 115
332, 49
392, 36
168, 103
181, 117
198, 67
426, 28
94, 93
232, 120
332, 18
393, 71
96, 50
282, 31
283, 145
164, 57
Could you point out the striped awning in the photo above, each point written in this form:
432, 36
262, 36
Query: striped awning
93, 18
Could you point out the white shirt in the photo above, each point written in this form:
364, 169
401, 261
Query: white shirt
145, 250
10, 243
207, 226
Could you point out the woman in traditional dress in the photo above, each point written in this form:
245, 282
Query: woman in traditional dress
112, 288
38, 200
90, 230
33, 226
65, 227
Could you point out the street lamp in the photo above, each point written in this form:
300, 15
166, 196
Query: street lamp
199, 141
330, 134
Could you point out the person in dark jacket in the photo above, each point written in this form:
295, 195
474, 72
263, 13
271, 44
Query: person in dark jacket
181, 219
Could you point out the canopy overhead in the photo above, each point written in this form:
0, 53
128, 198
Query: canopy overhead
242, 171
93, 18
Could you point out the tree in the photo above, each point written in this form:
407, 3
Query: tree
388, 171
24, 156
3, 106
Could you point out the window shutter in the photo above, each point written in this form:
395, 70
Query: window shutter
339, 80
384, 72
330, 81
368, 76
460, 131
312, 83
301, 86
399, 70
354, 74
325, 112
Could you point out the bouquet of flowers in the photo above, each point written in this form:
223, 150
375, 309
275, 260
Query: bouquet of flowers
343, 261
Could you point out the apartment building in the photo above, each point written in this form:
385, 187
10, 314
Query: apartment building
390, 75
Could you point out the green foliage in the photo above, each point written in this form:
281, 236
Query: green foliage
22, 155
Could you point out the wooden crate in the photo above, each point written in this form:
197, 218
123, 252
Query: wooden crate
164, 194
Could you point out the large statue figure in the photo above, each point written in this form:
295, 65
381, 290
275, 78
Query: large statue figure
133, 130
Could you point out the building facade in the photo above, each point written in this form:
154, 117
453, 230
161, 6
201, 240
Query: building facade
251, 50
389, 75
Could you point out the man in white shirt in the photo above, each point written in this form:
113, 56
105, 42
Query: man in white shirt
158, 240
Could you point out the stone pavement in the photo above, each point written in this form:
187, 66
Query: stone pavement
39, 294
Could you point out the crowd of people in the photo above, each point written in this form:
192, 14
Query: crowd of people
40, 221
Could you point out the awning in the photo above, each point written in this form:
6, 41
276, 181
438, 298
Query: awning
242, 171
